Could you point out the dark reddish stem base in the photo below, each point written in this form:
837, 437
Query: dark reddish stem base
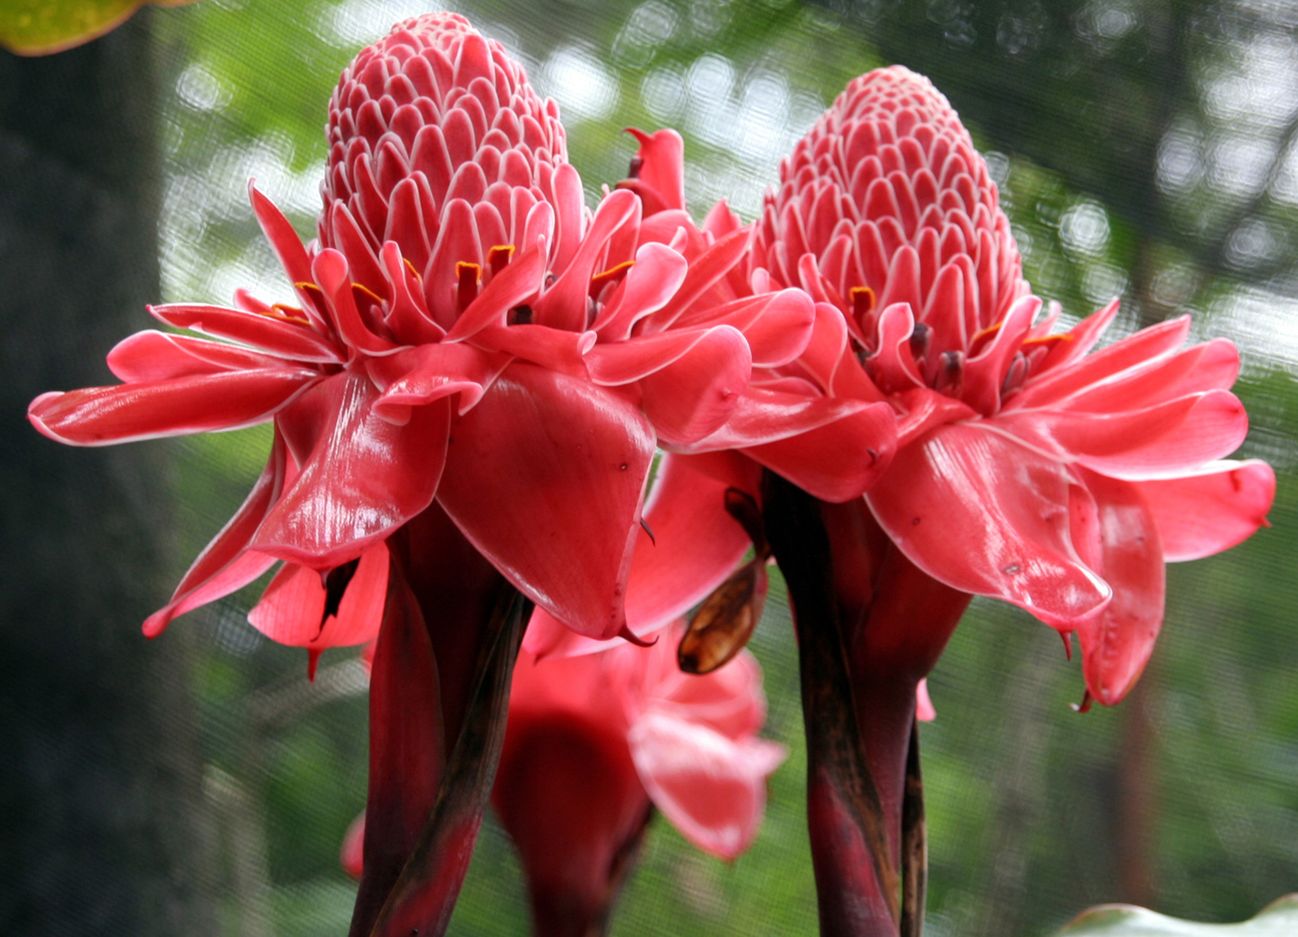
869, 626
857, 876
439, 697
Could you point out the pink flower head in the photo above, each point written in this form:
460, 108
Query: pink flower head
466, 332
1028, 468
594, 740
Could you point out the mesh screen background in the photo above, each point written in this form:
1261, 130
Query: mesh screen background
1185, 795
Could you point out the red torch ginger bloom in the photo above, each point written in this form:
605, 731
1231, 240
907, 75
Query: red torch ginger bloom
594, 741
1029, 468
465, 332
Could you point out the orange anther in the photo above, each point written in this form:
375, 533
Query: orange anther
863, 300
498, 256
366, 291
599, 280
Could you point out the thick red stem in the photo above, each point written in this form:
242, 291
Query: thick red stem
857, 875
439, 695
870, 626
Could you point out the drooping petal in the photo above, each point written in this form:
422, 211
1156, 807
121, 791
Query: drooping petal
711, 788
273, 335
694, 545
225, 565
363, 478
159, 356
1116, 642
986, 515
1214, 508
100, 416
545, 477
293, 610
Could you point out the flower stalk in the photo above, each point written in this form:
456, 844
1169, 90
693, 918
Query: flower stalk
855, 861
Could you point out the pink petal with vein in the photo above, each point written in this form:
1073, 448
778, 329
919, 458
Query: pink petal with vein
711, 788
545, 477
1219, 505
1116, 642
99, 416
159, 356
986, 515
278, 337
363, 478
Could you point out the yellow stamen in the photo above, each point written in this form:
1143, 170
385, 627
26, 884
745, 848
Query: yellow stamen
411, 267
987, 332
366, 291
1047, 341
598, 281
282, 313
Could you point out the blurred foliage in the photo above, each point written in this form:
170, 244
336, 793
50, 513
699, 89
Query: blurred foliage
1143, 148
42, 27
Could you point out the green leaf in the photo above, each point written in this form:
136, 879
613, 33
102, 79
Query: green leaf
42, 27
1278, 919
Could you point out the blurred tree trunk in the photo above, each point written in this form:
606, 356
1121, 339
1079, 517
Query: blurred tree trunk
101, 792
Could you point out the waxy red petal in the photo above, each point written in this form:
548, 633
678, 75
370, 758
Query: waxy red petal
332, 271
986, 515
518, 282
288, 248
711, 788
1134, 351
662, 169
159, 356
695, 545
277, 337
1116, 642
100, 416
363, 478
838, 460
545, 477
1213, 509
420, 375
225, 565
291, 610
694, 395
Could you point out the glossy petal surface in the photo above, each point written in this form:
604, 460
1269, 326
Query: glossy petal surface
545, 477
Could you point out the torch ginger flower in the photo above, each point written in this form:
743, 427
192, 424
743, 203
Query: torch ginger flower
466, 333
471, 385
1028, 467
593, 743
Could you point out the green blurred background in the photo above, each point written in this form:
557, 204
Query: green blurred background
1143, 148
